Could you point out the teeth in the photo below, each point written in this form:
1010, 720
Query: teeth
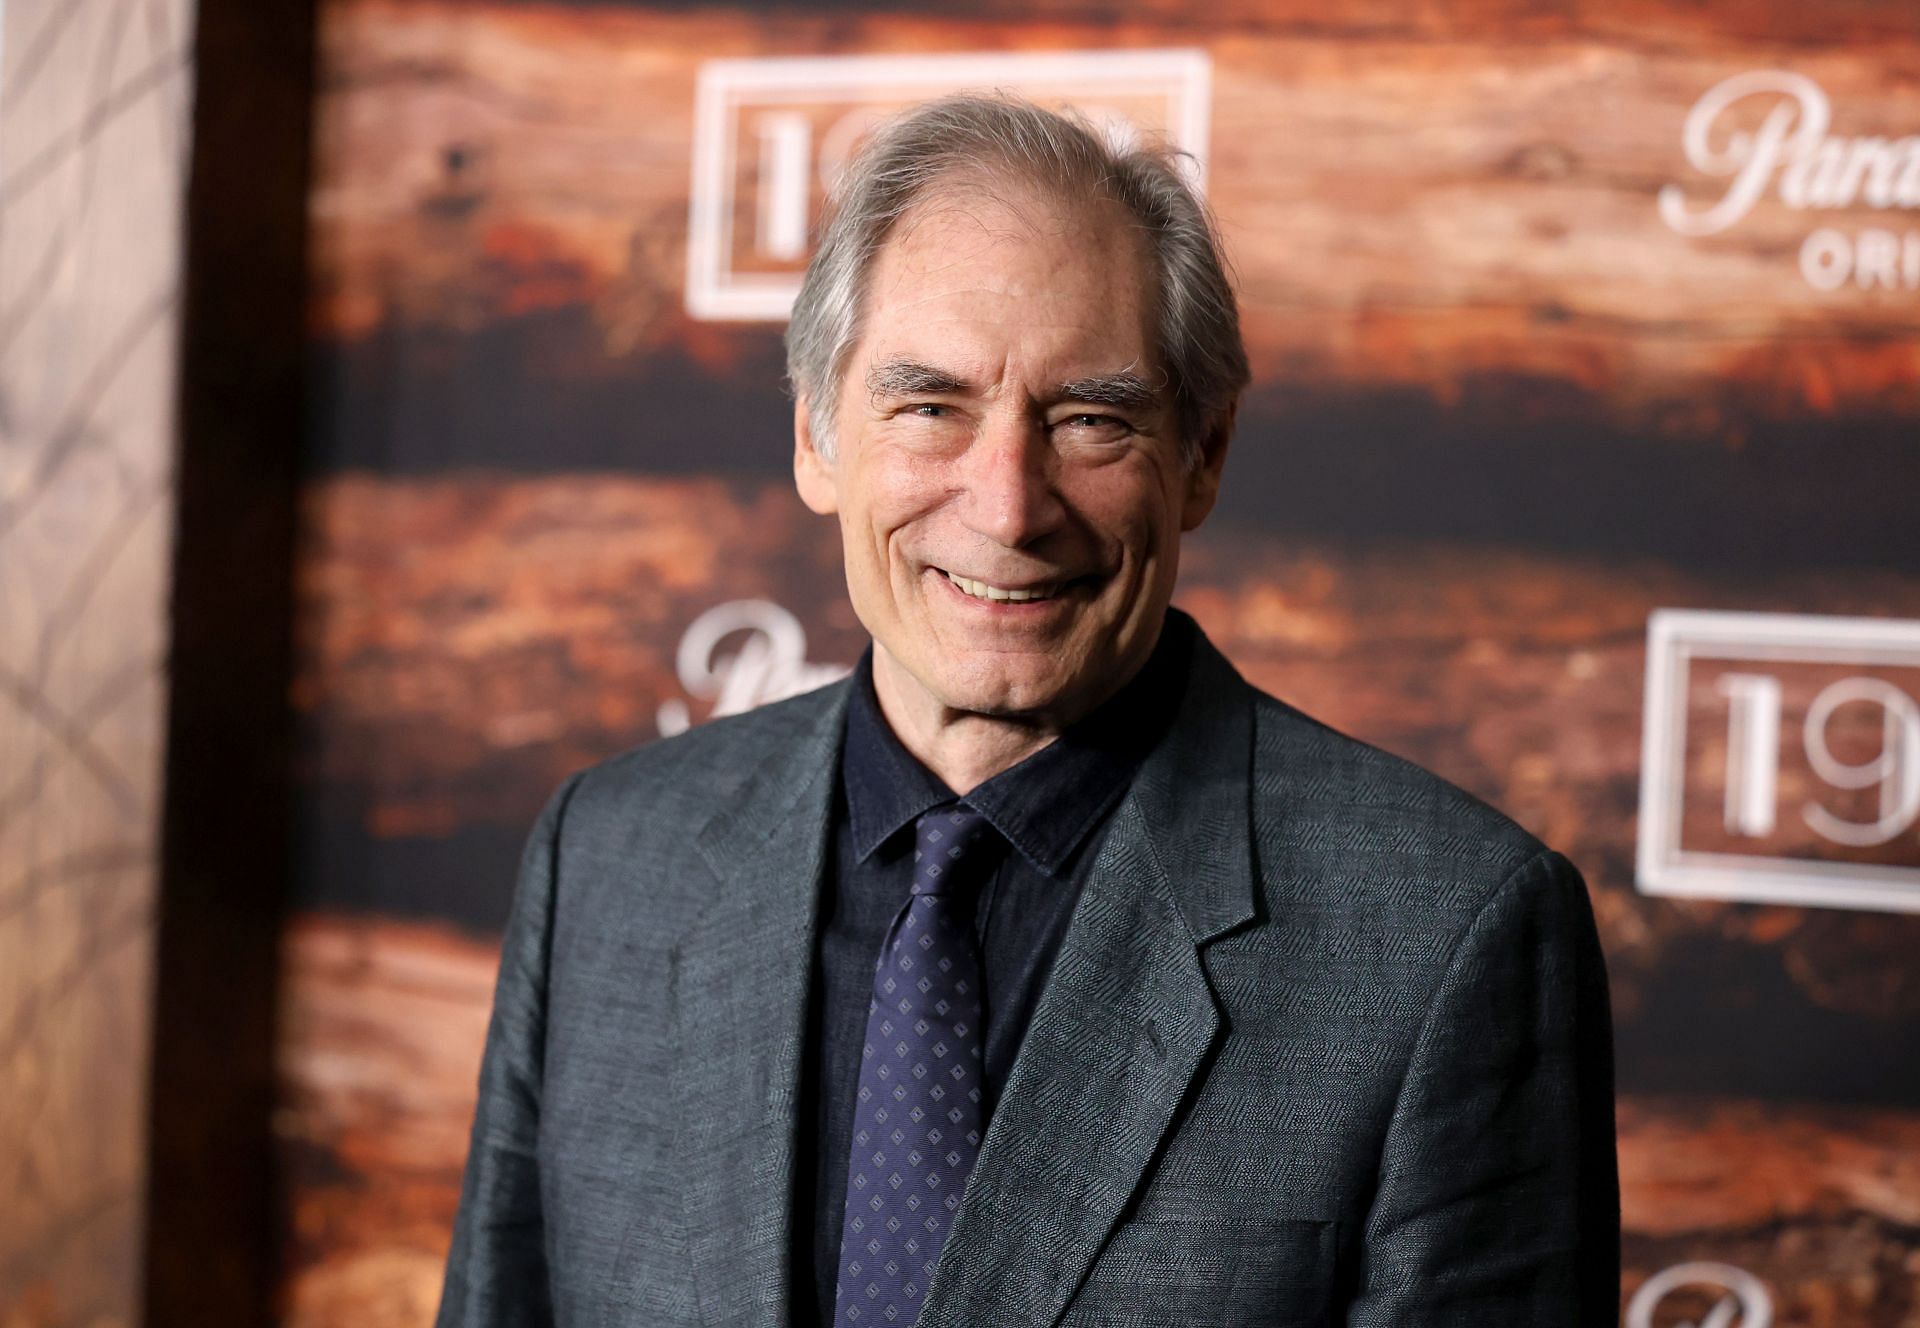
981, 590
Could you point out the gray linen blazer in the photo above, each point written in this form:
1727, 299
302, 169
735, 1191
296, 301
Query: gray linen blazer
1326, 1042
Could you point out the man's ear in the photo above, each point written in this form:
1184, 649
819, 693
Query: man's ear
1203, 477
812, 473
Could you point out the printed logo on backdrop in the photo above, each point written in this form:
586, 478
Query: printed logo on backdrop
771, 135
1781, 759
1791, 152
739, 655
1735, 1298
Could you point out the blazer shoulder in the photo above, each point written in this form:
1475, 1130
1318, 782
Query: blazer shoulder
1316, 786
699, 769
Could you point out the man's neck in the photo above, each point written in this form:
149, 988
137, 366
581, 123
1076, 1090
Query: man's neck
969, 750
963, 748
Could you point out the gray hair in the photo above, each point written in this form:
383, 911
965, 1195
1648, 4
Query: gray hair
908, 157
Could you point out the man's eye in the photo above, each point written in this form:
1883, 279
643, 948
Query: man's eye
931, 410
1088, 421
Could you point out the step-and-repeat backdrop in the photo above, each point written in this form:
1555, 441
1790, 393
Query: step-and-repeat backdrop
1581, 466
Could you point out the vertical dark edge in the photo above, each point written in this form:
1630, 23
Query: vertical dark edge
211, 1225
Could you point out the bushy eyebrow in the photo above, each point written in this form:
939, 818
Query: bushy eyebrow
1123, 391
893, 379
906, 378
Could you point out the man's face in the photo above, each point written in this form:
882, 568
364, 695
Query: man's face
1008, 473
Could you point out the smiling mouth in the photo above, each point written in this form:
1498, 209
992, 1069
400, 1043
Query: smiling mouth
1002, 594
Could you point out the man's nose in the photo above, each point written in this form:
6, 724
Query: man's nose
1010, 494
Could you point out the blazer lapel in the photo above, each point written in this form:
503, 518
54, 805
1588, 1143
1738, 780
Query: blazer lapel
1125, 1023
740, 1000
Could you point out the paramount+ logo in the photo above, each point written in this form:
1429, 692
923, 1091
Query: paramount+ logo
771, 136
1770, 133
1701, 1295
738, 655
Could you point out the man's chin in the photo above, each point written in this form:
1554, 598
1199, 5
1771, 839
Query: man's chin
1027, 690
1043, 679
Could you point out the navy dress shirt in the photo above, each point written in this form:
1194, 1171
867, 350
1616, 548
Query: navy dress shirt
1051, 810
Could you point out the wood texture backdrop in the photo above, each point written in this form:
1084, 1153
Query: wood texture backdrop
94, 101
1451, 202
1408, 204
469, 640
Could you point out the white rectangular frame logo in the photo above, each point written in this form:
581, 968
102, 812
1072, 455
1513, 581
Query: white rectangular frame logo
716, 293
1677, 637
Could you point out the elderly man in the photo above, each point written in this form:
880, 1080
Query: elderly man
1043, 972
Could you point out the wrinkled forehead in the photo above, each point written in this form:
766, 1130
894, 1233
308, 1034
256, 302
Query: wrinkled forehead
978, 263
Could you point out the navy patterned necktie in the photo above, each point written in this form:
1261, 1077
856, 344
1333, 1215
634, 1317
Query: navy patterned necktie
918, 1117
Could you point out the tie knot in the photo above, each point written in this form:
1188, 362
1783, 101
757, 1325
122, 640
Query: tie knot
946, 839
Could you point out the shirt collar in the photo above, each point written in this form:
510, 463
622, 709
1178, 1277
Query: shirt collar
1047, 805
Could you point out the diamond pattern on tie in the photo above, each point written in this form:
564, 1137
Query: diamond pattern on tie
922, 1059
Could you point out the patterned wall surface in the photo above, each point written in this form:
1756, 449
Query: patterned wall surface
1525, 378
94, 104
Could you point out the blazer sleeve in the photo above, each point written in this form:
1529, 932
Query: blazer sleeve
496, 1273
1498, 1199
